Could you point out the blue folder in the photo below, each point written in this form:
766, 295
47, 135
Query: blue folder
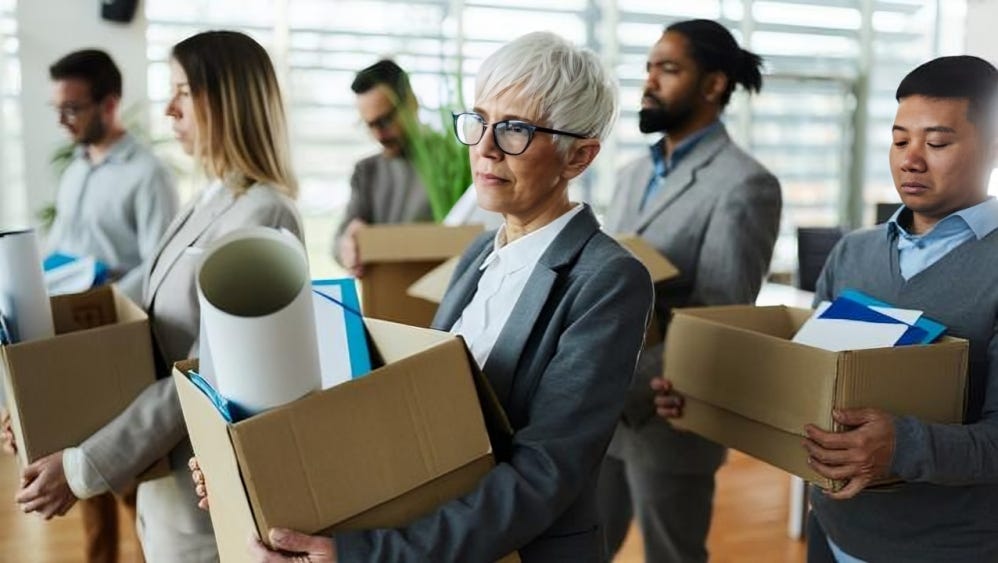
933, 329
845, 308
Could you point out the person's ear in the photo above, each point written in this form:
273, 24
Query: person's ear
579, 157
714, 85
109, 106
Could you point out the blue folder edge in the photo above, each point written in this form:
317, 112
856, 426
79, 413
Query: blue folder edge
230, 411
56, 259
845, 308
933, 329
360, 357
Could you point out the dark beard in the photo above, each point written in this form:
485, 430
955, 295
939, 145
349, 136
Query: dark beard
661, 118
94, 133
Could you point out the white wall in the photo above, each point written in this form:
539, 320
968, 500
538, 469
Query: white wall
982, 16
47, 30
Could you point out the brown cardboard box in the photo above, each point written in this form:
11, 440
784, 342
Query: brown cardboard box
395, 256
433, 285
377, 451
747, 386
63, 389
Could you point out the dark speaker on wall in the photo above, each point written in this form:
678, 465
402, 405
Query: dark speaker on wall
121, 11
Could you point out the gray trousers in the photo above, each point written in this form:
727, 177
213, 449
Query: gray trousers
673, 510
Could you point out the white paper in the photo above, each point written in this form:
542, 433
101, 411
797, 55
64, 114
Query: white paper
907, 316
26, 305
73, 277
258, 319
843, 334
331, 330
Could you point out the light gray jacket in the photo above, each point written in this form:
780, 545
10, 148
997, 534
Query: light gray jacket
153, 425
716, 218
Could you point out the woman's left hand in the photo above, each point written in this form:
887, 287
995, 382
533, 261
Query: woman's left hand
44, 488
295, 547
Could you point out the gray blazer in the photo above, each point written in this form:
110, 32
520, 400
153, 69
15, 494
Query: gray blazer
153, 425
384, 191
716, 218
560, 368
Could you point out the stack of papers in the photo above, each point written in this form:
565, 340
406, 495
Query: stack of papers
856, 321
65, 274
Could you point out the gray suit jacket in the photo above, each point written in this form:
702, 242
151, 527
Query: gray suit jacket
560, 368
384, 191
153, 425
716, 218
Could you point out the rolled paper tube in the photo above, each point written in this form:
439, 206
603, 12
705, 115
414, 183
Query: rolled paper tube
258, 318
23, 300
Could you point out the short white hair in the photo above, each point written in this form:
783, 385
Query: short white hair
565, 85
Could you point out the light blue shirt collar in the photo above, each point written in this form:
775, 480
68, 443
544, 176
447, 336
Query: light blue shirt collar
982, 219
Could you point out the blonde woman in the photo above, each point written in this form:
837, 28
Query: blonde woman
227, 112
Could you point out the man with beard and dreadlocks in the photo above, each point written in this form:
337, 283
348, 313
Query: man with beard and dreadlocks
115, 198
714, 211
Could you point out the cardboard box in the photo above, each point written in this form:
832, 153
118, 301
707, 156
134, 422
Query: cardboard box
747, 386
433, 285
374, 452
63, 389
395, 256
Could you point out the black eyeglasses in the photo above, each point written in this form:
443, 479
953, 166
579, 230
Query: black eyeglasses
512, 136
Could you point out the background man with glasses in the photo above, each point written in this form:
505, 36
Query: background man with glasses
115, 200
384, 188
714, 212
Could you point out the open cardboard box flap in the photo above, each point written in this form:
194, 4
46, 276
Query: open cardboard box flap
377, 451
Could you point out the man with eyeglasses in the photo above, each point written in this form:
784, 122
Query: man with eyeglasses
115, 197
114, 202
384, 188
714, 211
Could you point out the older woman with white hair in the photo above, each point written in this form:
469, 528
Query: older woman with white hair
553, 311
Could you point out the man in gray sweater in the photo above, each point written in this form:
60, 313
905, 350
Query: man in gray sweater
939, 253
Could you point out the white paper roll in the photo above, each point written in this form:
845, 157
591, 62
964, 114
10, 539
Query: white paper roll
23, 300
256, 310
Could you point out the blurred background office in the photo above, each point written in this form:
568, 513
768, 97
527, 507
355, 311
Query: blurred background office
821, 124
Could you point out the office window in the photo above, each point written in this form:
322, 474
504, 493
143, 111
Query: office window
802, 125
13, 207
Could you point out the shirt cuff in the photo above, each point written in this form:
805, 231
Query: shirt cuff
81, 476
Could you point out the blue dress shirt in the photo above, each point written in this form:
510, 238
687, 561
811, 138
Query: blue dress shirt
664, 165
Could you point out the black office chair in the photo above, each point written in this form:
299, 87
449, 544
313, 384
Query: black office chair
814, 244
884, 211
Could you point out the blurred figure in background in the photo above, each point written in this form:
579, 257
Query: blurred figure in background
115, 198
384, 188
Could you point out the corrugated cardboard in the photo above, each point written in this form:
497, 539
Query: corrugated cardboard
374, 452
749, 387
658, 266
433, 285
63, 389
395, 256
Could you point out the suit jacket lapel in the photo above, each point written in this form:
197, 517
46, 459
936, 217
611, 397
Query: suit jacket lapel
183, 236
502, 362
683, 177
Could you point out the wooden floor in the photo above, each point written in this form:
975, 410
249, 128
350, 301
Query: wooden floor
749, 525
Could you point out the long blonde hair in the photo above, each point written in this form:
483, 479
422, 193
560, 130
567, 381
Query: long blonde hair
242, 131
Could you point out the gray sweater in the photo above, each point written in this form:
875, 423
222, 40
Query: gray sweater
948, 509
